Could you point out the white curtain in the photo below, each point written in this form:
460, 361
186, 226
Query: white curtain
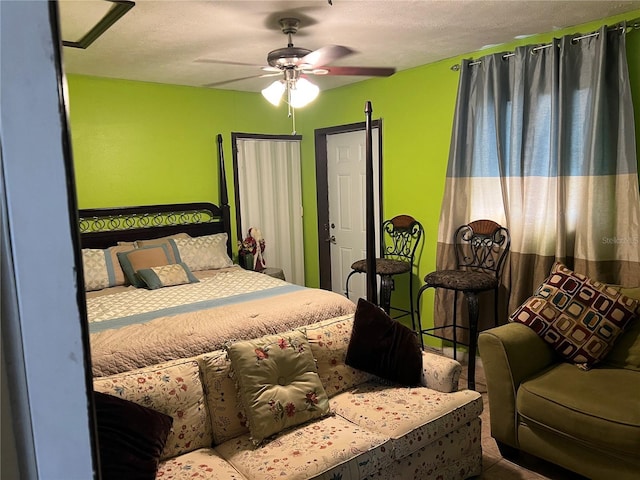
269, 183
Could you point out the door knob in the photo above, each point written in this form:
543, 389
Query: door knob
331, 239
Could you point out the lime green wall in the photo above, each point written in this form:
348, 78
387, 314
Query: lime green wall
417, 109
138, 143
142, 143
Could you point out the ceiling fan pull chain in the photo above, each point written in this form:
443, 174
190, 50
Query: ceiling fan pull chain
292, 111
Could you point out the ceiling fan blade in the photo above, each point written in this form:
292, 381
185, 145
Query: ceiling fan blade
224, 82
225, 62
364, 71
324, 56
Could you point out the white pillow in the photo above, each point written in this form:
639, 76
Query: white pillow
208, 252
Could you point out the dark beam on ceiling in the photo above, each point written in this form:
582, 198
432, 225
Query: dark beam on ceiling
119, 8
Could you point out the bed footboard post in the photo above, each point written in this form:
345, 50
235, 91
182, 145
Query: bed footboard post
224, 196
372, 284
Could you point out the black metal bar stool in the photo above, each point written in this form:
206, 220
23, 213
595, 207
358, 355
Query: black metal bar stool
400, 238
480, 248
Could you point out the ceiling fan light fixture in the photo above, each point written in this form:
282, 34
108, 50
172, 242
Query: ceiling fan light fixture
302, 93
273, 93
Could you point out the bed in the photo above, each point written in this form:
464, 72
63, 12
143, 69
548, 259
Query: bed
160, 285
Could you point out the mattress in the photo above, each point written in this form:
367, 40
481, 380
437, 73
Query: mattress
134, 327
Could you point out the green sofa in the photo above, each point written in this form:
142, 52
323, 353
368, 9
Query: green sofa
584, 421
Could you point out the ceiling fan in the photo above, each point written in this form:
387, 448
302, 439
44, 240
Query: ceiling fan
316, 62
295, 63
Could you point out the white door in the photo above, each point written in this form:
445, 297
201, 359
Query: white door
347, 206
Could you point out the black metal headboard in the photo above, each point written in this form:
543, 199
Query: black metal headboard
104, 227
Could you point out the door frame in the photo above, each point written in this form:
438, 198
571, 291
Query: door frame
290, 255
43, 435
322, 190
234, 151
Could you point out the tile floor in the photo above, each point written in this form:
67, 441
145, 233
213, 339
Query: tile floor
497, 468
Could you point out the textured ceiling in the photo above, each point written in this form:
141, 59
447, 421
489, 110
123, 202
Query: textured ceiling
181, 42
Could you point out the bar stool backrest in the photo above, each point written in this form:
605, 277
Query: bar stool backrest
400, 238
482, 246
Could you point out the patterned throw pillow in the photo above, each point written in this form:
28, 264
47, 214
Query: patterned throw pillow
101, 267
166, 276
154, 242
579, 317
228, 418
208, 252
142, 258
277, 383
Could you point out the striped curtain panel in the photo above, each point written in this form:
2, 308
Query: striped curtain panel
543, 143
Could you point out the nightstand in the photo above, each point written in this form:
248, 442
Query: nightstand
274, 272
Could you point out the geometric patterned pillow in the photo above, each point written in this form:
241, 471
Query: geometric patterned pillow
101, 268
208, 252
579, 317
166, 276
162, 241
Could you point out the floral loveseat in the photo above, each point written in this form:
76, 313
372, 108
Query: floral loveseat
371, 428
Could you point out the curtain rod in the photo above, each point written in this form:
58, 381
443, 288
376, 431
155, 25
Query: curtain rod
625, 27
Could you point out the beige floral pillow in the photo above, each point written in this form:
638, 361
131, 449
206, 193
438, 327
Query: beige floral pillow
278, 383
228, 418
208, 252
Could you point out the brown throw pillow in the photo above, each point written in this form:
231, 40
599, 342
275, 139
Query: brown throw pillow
131, 438
384, 347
